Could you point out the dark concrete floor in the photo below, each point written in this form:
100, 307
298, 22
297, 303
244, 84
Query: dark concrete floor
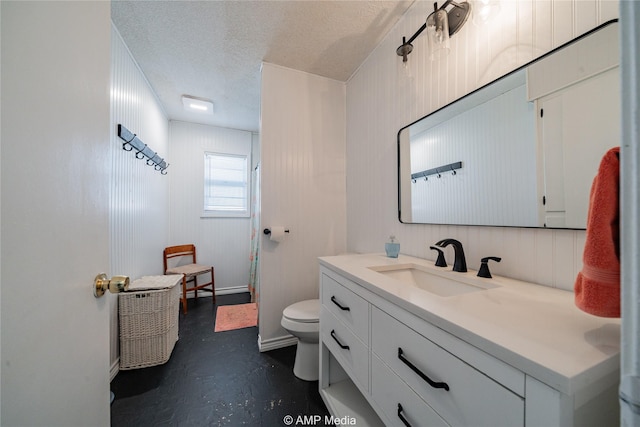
215, 379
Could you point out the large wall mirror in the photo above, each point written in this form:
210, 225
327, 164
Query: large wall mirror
521, 151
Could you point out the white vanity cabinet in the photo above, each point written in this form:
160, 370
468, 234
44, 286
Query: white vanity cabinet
382, 363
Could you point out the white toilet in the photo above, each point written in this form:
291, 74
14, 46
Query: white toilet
302, 320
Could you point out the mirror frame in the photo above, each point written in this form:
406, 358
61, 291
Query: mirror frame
510, 73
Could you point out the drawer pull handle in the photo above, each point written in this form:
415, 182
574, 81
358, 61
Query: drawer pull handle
333, 299
420, 373
402, 418
342, 346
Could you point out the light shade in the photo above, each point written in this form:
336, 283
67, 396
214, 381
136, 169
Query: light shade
197, 105
438, 33
484, 11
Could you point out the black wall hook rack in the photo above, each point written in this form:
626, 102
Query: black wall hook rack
131, 142
451, 167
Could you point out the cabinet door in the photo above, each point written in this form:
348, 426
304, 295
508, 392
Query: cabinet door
470, 398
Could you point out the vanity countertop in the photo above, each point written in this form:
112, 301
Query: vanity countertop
534, 328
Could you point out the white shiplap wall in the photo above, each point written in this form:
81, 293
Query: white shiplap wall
383, 97
139, 195
302, 165
221, 242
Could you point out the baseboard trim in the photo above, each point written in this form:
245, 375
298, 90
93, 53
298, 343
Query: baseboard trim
115, 368
274, 343
223, 291
232, 290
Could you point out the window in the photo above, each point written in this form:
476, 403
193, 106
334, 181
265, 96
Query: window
226, 185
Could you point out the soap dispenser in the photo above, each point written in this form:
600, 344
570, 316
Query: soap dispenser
392, 247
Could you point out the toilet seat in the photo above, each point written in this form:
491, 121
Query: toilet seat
304, 311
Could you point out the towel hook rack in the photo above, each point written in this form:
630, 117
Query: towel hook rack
436, 171
132, 141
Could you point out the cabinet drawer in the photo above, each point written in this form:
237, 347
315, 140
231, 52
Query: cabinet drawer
389, 391
351, 309
472, 399
352, 353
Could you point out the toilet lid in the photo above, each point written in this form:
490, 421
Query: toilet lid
304, 311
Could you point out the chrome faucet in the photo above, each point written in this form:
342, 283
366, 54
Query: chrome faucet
459, 263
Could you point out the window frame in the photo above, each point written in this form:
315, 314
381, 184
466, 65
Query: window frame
223, 213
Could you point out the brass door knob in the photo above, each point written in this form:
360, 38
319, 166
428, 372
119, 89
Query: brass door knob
115, 285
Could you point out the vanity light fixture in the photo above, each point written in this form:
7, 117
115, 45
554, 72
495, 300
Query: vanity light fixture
197, 105
441, 24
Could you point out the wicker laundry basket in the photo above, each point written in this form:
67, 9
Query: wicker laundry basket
148, 321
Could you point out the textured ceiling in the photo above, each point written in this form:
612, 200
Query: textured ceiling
213, 49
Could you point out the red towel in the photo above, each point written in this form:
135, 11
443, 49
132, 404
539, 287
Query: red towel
597, 287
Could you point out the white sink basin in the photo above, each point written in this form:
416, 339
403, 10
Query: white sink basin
444, 285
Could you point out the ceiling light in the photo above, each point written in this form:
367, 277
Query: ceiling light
197, 105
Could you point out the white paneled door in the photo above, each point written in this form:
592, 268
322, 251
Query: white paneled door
55, 209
